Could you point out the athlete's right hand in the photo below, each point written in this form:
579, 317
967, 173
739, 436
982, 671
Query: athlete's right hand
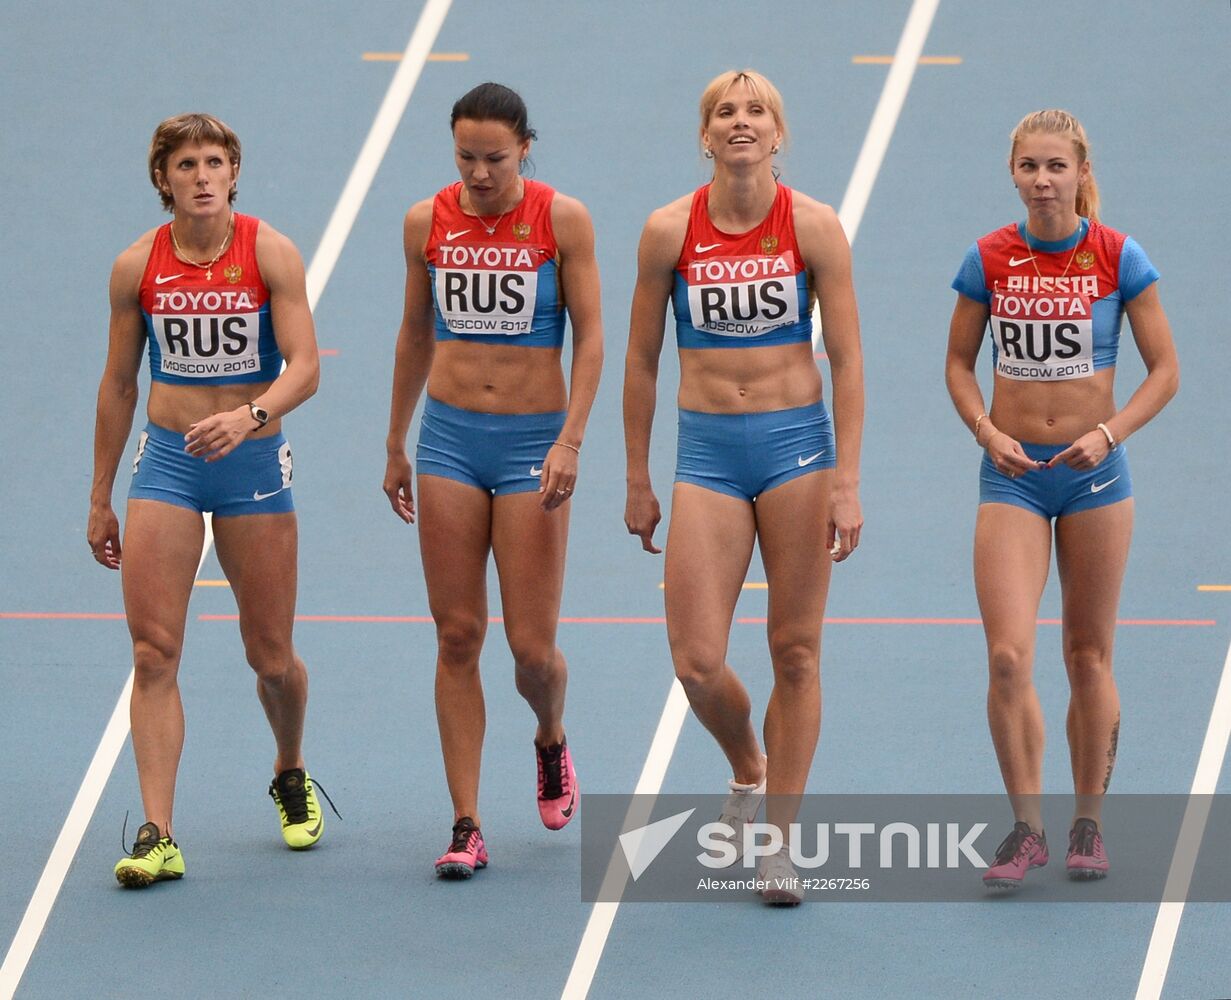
641, 516
1008, 456
398, 486
103, 534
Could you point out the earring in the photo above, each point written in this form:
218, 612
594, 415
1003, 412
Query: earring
709, 153
773, 149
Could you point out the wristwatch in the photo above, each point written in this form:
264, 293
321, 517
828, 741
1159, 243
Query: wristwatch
259, 414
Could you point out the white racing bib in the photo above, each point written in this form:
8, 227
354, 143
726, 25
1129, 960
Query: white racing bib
488, 289
1044, 332
742, 296
203, 333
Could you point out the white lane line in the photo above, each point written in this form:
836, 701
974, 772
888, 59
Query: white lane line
880, 129
1188, 842
79, 815
376, 145
594, 939
319, 272
858, 191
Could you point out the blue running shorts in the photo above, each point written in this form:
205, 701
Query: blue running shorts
1060, 490
253, 479
746, 454
496, 452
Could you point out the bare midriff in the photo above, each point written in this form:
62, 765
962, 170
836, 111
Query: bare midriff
493, 378
748, 379
1053, 412
177, 407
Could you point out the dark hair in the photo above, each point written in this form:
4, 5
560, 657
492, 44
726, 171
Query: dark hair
182, 130
494, 102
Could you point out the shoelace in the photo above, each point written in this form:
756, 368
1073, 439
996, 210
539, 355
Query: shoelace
295, 800
463, 830
1083, 841
140, 849
550, 760
1013, 844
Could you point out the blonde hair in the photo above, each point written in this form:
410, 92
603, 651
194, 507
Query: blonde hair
183, 130
1056, 122
756, 82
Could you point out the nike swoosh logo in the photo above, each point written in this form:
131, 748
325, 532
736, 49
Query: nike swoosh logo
317, 829
810, 459
572, 804
450, 235
161, 280
706, 249
1014, 261
535, 472
266, 496
1099, 487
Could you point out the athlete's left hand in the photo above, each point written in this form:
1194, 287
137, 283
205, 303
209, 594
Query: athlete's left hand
559, 477
845, 523
217, 436
1087, 452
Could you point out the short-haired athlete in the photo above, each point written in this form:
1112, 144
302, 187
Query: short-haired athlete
1053, 289
493, 264
741, 261
220, 300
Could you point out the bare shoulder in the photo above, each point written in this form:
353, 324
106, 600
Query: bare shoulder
278, 259
662, 239
567, 209
129, 266
670, 220
572, 224
419, 214
822, 240
271, 242
814, 215
417, 225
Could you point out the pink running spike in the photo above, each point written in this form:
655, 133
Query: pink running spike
1020, 851
466, 853
1087, 858
558, 791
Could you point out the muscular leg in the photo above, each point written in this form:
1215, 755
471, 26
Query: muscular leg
790, 527
259, 555
709, 546
454, 539
529, 545
162, 548
1091, 553
1012, 557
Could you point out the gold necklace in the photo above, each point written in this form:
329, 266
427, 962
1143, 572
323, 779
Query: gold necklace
209, 264
1072, 256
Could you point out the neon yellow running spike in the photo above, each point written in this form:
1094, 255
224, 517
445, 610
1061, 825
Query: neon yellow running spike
154, 858
302, 820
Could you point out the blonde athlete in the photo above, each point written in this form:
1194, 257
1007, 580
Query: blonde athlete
1053, 291
219, 297
741, 261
